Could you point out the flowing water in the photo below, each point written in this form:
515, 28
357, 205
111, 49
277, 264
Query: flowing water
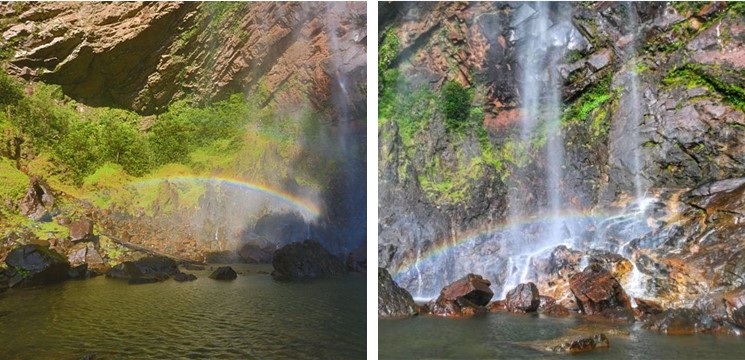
250, 317
509, 336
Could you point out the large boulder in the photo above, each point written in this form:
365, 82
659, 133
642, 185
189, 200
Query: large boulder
393, 300
305, 260
464, 297
597, 290
255, 254
31, 265
146, 270
523, 298
224, 273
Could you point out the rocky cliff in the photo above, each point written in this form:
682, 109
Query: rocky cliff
144, 55
661, 80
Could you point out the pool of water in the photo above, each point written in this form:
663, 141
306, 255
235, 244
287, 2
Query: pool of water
250, 317
509, 336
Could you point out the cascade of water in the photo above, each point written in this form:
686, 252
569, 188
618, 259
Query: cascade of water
636, 104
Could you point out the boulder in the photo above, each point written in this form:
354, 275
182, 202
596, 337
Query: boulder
81, 230
37, 200
465, 297
471, 287
305, 260
523, 298
192, 267
581, 344
154, 265
125, 270
357, 260
224, 273
496, 306
32, 265
393, 300
596, 290
78, 272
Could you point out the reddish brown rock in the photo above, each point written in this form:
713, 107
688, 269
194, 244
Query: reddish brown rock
38, 199
81, 230
685, 322
648, 307
496, 306
465, 297
523, 298
555, 310
473, 288
596, 290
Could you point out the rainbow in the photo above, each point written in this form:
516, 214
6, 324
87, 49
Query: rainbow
307, 207
443, 246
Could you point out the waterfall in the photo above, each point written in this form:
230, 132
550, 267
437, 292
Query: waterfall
539, 52
636, 104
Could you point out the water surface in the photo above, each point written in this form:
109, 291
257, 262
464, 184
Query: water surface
250, 317
508, 336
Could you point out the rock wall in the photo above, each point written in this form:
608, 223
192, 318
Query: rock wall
690, 74
143, 55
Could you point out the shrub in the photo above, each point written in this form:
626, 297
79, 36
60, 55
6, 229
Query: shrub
456, 105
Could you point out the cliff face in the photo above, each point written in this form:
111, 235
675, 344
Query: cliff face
687, 62
142, 56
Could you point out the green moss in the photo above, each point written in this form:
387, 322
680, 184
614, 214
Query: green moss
13, 183
455, 105
589, 108
691, 75
387, 52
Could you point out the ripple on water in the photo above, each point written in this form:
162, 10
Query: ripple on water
250, 317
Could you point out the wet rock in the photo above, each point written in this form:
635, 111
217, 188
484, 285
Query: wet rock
36, 265
581, 344
648, 307
684, 322
596, 290
555, 310
181, 277
523, 298
616, 264
38, 199
224, 273
81, 230
78, 272
467, 296
154, 265
393, 300
125, 270
305, 260
496, 306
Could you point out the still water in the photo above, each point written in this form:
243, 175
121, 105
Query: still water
252, 317
506, 336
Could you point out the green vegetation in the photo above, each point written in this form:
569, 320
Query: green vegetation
455, 105
387, 52
588, 107
691, 75
13, 182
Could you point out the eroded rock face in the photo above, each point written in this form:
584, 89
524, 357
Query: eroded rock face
305, 260
142, 56
597, 290
393, 300
523, 298
31, 265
